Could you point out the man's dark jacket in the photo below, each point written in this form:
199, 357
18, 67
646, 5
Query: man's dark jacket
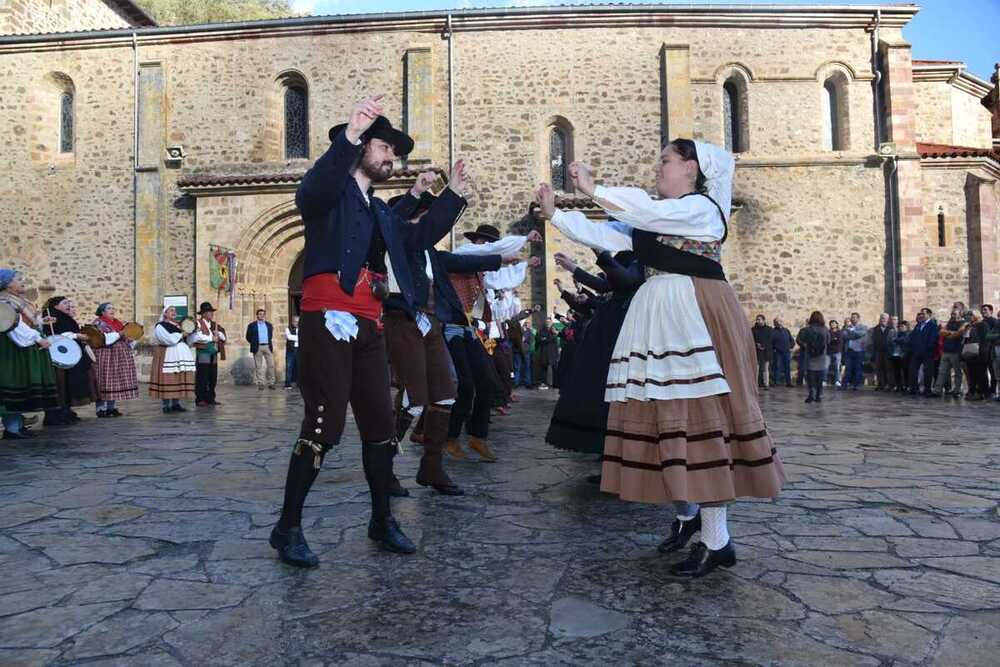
924, 339
252, 337
763, 338
339, 223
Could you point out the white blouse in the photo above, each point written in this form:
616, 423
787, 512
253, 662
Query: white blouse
23, 335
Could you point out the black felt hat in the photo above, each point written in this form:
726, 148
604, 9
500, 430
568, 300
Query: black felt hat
484, 232
205, 307
425, 202
381, 129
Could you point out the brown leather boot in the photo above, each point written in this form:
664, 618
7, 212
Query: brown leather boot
431, 472
417, 436
453, 449
480, 446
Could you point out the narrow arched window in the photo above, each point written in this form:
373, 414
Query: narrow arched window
836, 128
66, 124
734, 115
559, 158
942, 238
296, 122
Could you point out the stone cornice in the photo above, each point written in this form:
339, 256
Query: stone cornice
954, 74
517, 18
989, 165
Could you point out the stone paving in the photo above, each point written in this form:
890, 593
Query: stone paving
142, 541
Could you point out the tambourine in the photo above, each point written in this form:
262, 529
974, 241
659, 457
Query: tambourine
65, 351
94, 336
188, 326
133, 331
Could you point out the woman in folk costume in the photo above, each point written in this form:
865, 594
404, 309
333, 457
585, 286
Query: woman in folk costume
684, 423
172, 378
77, 385
27, 378
580, 418
117, 379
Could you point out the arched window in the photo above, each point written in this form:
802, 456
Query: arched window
66, 122
559, 158
734, 114
296, 121
941, 231
836, 136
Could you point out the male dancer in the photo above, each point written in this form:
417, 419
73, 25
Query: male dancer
348, 233
416, 343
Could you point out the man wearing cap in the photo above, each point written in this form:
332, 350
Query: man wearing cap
209, 343
342, 357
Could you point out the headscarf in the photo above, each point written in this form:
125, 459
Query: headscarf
64, 323
169, 325
113, 322
7, 277
718, 166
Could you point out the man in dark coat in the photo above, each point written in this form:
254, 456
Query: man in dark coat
762, 338
342, 357
260, 335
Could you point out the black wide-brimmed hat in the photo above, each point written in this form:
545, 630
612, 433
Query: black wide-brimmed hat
424, 203
205, 307
484, 232
381, 129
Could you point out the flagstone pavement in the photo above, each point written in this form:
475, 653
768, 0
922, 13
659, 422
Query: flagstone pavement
143, 541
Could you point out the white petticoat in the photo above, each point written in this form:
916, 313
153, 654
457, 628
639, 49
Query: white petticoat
178, 359
664, 350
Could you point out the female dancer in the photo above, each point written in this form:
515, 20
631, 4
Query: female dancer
684, 423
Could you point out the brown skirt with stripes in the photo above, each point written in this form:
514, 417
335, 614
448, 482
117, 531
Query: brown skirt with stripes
169, 385
710, 449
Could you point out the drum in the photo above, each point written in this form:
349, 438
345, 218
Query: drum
95, 337
8, 318
64, 351
133, 331
188, 325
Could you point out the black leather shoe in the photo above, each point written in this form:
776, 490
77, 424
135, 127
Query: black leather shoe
443, 489
113, 412
680, 533
397, 490
292, 547
16, 435
101, 414
389, 536
179, 408
594, 479
703, 560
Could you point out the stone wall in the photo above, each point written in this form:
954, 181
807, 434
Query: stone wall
810, 233
950, 116
19, 17
947, 266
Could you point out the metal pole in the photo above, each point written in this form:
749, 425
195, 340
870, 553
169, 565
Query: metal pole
451, 106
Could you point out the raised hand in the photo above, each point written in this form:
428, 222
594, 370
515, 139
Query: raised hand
545, 197
582, 176
535, 262
534, 236
456, 180
363, 114
424, 182
564, 262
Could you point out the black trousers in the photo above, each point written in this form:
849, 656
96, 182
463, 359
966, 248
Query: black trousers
474, 369
206, 376
916, 363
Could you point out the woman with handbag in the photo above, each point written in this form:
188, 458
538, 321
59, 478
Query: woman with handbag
975, 354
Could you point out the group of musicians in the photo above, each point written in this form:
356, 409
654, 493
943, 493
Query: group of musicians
51, 364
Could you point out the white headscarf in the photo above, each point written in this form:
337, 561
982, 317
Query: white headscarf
718, 165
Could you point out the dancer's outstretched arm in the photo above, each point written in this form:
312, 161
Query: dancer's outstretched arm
574, 224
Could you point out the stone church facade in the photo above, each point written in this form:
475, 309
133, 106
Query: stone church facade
866, 180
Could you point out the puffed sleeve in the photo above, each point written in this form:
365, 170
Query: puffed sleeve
693, 217
164, 337
598, 235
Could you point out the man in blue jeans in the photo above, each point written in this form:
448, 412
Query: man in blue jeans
855, 337
782, 342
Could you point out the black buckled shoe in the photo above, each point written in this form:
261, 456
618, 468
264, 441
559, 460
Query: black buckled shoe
389, 536
703, 560
292, 547
680, 533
